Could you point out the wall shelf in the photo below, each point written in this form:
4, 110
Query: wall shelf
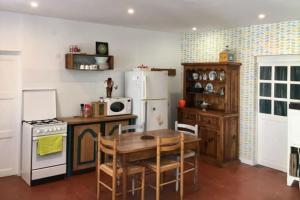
77, 61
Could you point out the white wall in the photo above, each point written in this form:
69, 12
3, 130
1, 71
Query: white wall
44, 41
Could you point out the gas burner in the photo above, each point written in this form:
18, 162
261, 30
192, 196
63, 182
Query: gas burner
44, 122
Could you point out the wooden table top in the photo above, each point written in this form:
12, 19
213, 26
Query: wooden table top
132, 142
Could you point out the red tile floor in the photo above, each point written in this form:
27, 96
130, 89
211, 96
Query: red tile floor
236, 182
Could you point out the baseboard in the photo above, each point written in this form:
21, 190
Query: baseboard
7, 172
247, 161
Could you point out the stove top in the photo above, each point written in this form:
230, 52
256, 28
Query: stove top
44, 122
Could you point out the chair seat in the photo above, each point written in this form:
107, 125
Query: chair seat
189, 154
165, 164
131, 169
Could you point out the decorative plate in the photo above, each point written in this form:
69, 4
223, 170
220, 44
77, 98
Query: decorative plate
222, 76
209, 87
212, 75
102, 48
198, 85
204, 76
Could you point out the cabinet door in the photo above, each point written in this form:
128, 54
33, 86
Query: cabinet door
85, 146
231, 139
209, 142
112, 128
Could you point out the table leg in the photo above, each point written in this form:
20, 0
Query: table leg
124, 176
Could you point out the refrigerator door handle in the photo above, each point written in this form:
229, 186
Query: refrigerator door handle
146, 113
145, 87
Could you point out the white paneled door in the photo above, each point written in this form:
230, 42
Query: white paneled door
10, 114
278, 85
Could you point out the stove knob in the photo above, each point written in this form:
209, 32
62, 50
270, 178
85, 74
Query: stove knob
54, 129
59, 128
38, 131
45, 130
50, 129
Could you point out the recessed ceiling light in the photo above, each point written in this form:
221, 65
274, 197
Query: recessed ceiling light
261, 16
194, 28
34, 4
130, 11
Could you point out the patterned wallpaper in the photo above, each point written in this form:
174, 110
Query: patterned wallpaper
246, 42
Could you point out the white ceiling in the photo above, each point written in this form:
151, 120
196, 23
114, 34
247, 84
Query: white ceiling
163, 15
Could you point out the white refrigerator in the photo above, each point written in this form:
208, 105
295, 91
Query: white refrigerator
149, 93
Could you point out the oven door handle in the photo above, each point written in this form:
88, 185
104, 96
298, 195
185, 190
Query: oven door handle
37, 137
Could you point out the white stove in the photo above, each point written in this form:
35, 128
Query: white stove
46, 127
34, 166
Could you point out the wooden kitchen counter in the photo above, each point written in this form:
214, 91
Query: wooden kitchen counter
82, 139
81, 120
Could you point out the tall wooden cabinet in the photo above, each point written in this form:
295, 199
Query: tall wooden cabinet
218, 85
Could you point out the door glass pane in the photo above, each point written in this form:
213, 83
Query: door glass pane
280, 73
280, 90
265, 73
295, 91
295, 73
265, 89
280, 108
265, 106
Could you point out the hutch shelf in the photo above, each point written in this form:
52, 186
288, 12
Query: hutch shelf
218, 84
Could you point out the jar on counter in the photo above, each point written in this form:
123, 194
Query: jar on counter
87, 110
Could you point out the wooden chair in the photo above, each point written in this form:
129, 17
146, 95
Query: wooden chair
125, 129
190, 130
108, 146
161, 165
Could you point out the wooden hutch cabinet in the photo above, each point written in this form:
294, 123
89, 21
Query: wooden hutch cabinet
217, 84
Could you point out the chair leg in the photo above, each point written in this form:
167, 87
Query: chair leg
181, 184
177, 177
114, 192
133, 185
196, 171
196, 176
143, 186
98, 184
157, 185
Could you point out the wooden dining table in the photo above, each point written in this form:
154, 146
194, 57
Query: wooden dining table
131, 147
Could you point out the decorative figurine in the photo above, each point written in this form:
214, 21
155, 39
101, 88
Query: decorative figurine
109, 83
222, 92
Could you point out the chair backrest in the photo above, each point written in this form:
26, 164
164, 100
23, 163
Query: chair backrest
125, 129
109, 148
169, 144
187, 129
